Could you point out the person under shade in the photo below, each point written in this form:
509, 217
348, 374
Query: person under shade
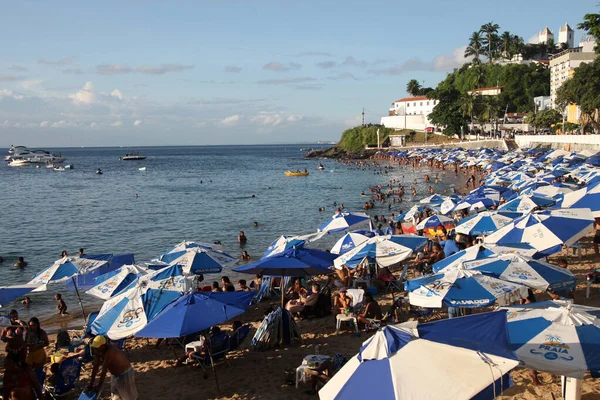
383, 278
341, 301
227, 286
21, 263
61, 306
298, 305
215, 336
296, 291
567, 293
243, 286
26, 301
372, 311
215, 287
113, 360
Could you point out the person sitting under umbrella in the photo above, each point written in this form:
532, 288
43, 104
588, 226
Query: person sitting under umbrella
341, 301
297, 305
216, 336
372, 311
296, 291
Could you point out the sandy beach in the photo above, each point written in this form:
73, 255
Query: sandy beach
261, 375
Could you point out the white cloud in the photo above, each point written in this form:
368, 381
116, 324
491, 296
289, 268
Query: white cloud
284, 81
353, 122
231, 120
279, 67
274, 119
8, 78
117, 123
353, 62
29, 84
137, 122
449, 62
163, 69
112, 69
444, 62
62, 61
117, 93
93, 125
64, 124
10, 94
44, 124
84, 95
534, 39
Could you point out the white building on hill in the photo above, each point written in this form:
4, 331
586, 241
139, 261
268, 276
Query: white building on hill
410, 113
566, 35
545, 35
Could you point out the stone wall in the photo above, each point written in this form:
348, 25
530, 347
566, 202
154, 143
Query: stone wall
563, 142
471, 145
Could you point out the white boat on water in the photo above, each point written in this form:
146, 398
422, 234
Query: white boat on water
132, 157
142, 169
69, 166
59, 168
33, 156
18, 162
49, 165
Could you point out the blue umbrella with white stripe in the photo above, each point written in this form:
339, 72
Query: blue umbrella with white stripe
125, 314
469, 357
348, 242
527, 203
483, 223
10, 293
477, 252
64, 269
344, 221
470, 202
115, 282
384, 250
199, 260
588, 197
181, 248
433, 199
434, 221
546, 231
535, 274
462, 288
557, 337
283, 243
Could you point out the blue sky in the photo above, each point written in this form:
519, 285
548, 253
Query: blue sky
143, 72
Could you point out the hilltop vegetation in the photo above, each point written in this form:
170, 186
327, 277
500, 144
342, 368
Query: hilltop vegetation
355, 139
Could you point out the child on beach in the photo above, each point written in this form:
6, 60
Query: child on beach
61, 307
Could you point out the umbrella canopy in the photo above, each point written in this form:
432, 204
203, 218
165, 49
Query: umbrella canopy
292, 262
557, 337
477, 252
88, 280
385, 250
546, 231
448, 206
115, 282
195, 312
482, 224
127, 313
283, 243
434, 222
474, 203
345, 221
433, 199
181, 248
469, 357
64, 269
527, 203
348, 242
462, 288
552, 190
10, 293
200, 260
525, 271
588, 197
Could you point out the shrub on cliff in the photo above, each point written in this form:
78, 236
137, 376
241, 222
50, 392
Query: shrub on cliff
355, 139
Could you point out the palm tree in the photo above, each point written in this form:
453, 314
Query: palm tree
467, 104
517, 45
475, 47
506, 41
413, 87
489, 30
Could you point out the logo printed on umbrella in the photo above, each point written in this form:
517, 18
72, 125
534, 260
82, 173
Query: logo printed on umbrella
433, 288
553, 348
130, 317
522, 274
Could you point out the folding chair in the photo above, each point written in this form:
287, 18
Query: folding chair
218, 347
397, 284
263, 291
238, 337
68, 375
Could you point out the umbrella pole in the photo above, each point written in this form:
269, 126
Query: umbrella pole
78, 298
212, 363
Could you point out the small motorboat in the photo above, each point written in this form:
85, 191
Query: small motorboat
142, 169
132, 157
59, 168
321, 167
38, 166
18, 162
296, 173
69, 166
99, 171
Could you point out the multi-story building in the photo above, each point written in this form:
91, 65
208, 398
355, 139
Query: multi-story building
410, 113
541, 103
562, 63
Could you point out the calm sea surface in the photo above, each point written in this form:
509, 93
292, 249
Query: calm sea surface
187, 193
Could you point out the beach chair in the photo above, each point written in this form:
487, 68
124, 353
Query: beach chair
68, 375
397, 284
218, 346
263, 291
238, 337
78, 336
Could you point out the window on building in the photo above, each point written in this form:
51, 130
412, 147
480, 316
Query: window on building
427, 103
421, 104
415, 104
407, 104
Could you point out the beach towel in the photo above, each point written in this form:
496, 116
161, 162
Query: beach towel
122, 387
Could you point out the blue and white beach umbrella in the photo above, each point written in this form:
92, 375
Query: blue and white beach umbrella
448, 206
433, 199
527, 203
384, 250
588, 197
125, 314
483, 223
64, 269
283, 243
546, 231
557, 337
472, 202
181, 248
434, 221
477, 252
115, 282
462, 288
526, 271
204, 261
345, 221
348, 242
10, 293
468, 357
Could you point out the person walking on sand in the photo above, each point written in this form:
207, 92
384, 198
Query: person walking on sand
113, 360
61, 307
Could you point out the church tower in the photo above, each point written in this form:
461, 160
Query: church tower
566, 35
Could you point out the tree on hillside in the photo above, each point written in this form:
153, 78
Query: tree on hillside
447, 112
544, 118
413, 87
506, 43
467, 105
475, 47
582, 89
490, 38
591, 24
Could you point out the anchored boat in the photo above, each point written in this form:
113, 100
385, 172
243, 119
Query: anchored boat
296, 173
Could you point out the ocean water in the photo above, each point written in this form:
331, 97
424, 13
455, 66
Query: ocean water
187, 193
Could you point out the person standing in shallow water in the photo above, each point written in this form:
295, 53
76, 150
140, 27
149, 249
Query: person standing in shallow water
61, 307
21, 263
242, 239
